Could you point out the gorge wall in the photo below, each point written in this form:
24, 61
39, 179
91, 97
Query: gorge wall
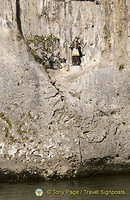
66, 123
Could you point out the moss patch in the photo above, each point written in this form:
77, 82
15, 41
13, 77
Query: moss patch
6, 119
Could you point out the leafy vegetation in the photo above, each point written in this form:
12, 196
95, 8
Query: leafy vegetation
45, 50
47, 43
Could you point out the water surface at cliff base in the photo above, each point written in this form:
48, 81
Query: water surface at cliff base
80, 189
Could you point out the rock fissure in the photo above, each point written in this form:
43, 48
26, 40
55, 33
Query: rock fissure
53, 96
80, 151
18, 18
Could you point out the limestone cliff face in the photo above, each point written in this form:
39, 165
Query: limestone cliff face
102, 25
70, 122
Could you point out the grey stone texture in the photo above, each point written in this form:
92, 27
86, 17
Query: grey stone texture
60, 123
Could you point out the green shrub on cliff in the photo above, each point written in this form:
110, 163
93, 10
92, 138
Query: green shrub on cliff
45, 50
47, 44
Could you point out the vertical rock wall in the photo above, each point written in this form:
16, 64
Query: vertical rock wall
80, 122
101, 25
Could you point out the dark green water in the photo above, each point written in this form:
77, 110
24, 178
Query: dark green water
70, 190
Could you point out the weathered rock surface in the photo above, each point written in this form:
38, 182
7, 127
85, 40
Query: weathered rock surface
69, 123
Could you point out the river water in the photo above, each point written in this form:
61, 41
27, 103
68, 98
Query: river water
80, 189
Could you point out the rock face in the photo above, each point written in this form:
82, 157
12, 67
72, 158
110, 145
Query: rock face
65, 123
